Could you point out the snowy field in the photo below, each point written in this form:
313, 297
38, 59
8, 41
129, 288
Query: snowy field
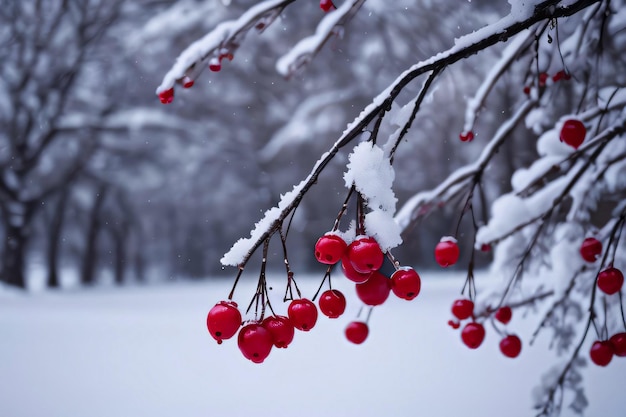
145, 351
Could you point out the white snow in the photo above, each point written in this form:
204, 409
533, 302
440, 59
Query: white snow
145, 351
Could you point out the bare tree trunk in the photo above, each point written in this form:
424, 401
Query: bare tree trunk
54, 240
13, 256
90, 257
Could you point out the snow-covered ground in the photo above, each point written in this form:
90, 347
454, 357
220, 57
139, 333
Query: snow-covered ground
145, 351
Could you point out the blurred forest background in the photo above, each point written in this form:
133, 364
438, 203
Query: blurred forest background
99, 182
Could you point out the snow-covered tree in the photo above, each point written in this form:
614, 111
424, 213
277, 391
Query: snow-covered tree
551, 83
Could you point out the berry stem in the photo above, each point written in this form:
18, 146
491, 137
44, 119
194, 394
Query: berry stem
344, 207
326, 276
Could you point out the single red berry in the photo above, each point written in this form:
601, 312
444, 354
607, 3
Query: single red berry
526, 90
365, 255
619, 344
281, 329
327, 5
504, 314
446, 252
485, 247
454, 324
573, 133
591, 249
473, 334
375, 290
351, 273
332, 303
223, 320
215, 65
543, 78
463, 308
601, 352
560, 75
187, 82
357, 332
466, 136
329, 249
302, 314
406, 283
255, 342
511, 346
610, 280
166, 96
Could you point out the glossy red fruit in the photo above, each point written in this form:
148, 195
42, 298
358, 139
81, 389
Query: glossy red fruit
591, 249
619, 344
223, 320
329, 249
356, 332
327, 5
466, 136
166, 96
610, 280
526, 90
511, 346
406, 283
215, 64
601, 352
560, 75
473, 335
187, 82
255, 342
332, 303
504, 314
485, 247
302, 314
365, 255
543, 79
573, 133
463, 308
281, 329
351, 273
446, 252
375, 290
454, 324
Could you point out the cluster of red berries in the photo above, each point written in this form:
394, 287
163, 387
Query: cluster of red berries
473, 333
602, 351
257, 338
543, 78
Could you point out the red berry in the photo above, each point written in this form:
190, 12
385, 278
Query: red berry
446, 252
332, 303
215, 65
303, 314
365, 255
329, 249
357, 332
223, 320
526, 90
511, 346
504, 314
166, 96
466, 136
543, 78
281, 329
473, 334
573, 133
610, 280
375, 290
406, 283
485, 247
591, 249
601, 352
327, 5
187, 82
463, 309
619, 344
560, 75
454, 324
351, 273
255, 342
